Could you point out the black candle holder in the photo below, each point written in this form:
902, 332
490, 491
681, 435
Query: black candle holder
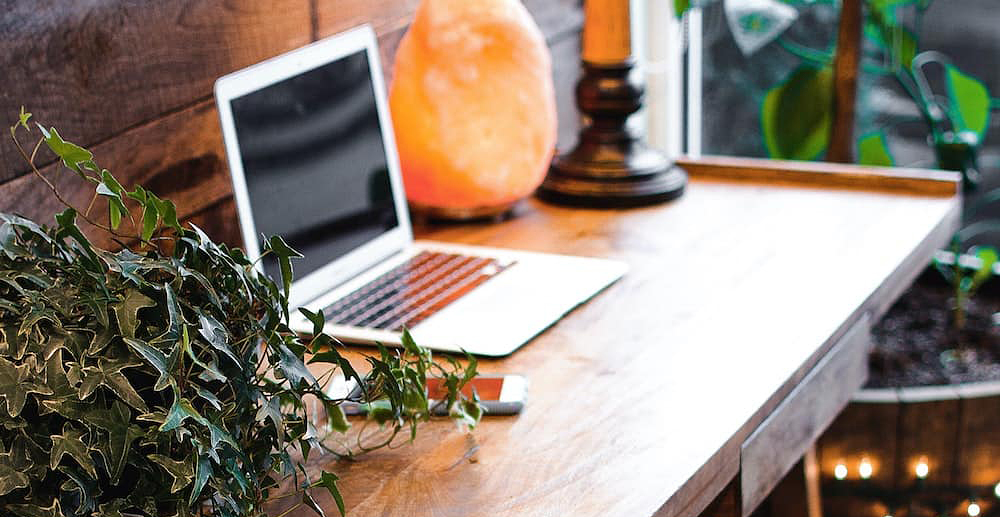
611, 166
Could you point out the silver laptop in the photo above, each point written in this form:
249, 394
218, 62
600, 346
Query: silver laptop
313, 159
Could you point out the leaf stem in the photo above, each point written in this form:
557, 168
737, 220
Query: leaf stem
290, 510
34, 169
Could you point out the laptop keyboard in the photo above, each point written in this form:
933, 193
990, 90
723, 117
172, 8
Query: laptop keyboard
413, 291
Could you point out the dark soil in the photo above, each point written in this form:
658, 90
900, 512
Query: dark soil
916, 343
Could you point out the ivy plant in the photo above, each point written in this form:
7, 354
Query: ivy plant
162, 379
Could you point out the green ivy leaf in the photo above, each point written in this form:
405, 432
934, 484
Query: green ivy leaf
175, 319
329, 481
202, 472
15, 385
335, 416
307, 499
71, 154
796, 115
969, 101
31, 510
293, 368
284, 254
127, 311
271, 408
180, 411
168, 212
156, 359
210, 371
67, 227
317, 319
86, 488
116, 421
113, 191
150, 218
181, 471
71, 442
23, 118
873, 150
216, 335
108, 373
10, 478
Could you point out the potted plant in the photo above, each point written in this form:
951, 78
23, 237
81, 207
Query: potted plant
162, 379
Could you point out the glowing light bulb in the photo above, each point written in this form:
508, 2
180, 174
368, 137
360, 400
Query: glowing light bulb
996, 490
973, 509
865, 469
840, 471
922, 469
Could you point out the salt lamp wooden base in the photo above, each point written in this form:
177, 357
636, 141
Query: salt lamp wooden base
611, 166
494, 213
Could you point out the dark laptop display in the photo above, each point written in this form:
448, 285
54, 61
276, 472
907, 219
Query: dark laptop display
314, 141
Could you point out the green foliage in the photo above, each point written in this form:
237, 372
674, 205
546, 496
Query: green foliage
681, 7
873, 150
883, 28
970, 268
796, 114
164, 380
969, 102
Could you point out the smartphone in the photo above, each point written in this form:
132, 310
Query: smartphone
499, 394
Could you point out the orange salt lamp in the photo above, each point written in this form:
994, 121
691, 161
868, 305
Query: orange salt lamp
474, 107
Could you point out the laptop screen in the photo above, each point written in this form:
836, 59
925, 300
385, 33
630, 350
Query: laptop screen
315, 162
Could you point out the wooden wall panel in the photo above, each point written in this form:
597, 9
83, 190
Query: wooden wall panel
179, 157
98, 67
384, 16
220, 222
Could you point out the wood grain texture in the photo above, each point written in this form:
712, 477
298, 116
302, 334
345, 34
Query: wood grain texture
691, 362
95, 68
867, 428
845, 82
179, 157
220, 222
727, 503
824, 175
788, 499
979, 435
790, 431
928, 428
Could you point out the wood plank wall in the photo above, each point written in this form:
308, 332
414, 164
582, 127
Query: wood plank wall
132, 79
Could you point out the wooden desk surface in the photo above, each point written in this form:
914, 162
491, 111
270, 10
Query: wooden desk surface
640, 399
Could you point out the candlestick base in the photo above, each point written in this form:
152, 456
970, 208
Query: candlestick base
611, 166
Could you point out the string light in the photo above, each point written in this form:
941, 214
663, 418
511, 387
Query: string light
840, 471
865, 469
996, 490
922, 469
973, 509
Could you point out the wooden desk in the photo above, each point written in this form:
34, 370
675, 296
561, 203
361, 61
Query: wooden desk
741, 325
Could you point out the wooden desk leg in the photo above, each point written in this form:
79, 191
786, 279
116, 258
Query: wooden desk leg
797, 495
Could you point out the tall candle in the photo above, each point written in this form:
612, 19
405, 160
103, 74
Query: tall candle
606, 34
